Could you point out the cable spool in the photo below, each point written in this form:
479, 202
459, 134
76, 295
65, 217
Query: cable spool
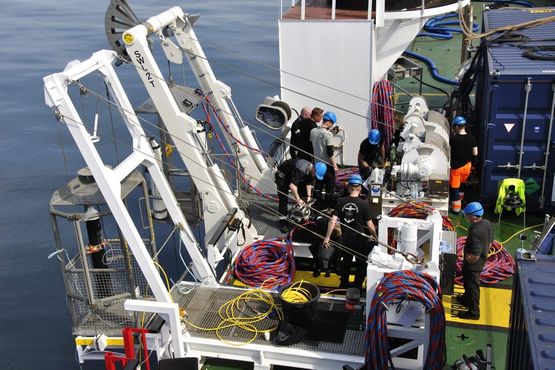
299, 303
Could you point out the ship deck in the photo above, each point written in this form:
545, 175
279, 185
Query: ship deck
336, 330
463, 337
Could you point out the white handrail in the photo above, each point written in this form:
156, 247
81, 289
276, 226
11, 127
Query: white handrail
380, 13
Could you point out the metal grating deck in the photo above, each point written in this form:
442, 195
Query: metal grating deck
264, 214
265, 218
202, 304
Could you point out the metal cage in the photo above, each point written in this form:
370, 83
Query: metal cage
95, 295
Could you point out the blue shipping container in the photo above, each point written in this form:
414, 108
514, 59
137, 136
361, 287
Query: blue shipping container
531, 342
515, 96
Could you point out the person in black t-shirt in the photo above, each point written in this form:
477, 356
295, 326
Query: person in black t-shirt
476, 248
371, 151
295, 131
300, 135
355, 218
297, 176
463, 150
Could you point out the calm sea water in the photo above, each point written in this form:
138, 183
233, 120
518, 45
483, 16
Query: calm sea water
39, 38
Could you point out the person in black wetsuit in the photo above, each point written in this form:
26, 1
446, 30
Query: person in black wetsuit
478, 241
300, 135
297, 176
355, 217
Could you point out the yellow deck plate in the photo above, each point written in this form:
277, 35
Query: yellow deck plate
494, 307
89, 341
322, 281
331, 282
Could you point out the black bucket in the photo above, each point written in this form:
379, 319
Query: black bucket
301, 313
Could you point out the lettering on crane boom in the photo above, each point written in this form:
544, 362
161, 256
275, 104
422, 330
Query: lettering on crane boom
141, 60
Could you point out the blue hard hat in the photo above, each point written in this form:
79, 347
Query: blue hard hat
355, 180
330, 116
320, 169
374, 137
459, 121
474, 209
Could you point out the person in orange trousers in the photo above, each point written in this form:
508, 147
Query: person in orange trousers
463, 150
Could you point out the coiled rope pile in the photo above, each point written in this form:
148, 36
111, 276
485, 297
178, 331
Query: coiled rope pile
269, 262
297, 294
382, 111
396, 287
342, 176
418, 210
499, 264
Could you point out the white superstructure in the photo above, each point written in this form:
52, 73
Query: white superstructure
331, 57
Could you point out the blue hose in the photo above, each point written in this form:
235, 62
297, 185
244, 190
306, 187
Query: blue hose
433, 69
434, 27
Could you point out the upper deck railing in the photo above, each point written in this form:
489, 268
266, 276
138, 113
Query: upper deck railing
379, 10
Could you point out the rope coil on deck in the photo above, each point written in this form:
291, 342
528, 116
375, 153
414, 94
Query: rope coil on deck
418, 210
267, 263
397, 287
296, 293
499, 266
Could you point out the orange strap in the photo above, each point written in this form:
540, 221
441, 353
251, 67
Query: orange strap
95, 248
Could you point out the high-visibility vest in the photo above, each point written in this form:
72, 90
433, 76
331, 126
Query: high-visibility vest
520, 189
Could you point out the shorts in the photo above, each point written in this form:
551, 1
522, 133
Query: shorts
459, 175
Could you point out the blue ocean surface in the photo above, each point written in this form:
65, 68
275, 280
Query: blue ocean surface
37, 155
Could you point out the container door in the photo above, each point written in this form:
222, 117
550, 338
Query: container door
511, 121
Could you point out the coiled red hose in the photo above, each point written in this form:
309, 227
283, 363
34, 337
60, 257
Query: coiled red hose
499, 266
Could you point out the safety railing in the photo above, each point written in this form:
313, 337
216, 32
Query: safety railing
378, 10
